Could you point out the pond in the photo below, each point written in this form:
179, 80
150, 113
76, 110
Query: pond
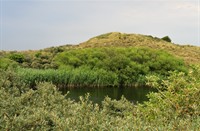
97, 95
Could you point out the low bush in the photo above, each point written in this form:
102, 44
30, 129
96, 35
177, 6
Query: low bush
176, 106
166, 38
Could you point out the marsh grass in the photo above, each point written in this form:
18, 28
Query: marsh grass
79, 77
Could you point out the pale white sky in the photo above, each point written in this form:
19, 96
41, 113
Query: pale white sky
37, 24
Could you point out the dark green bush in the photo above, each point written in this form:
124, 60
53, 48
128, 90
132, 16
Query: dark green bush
17, 57
166, 38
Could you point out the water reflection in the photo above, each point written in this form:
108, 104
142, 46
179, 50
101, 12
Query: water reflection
98, 94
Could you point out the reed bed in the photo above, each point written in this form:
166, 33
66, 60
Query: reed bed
78, 77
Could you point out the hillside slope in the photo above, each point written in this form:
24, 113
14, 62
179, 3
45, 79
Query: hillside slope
191, 54
44, 57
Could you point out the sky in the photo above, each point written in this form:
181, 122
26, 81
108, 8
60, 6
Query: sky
38, 24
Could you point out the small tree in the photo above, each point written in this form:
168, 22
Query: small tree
166, 38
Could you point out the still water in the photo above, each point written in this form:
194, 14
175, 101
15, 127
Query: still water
97, 95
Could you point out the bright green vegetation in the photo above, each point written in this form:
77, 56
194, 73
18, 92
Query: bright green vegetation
29, 82
176, 106
5, 63
78, 77
97, 67
131, 65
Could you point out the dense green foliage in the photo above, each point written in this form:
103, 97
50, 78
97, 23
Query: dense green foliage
32, 59
17, 57
95, 66
6, 63
176, 106
179, 94
101, 67
69, 77
130, 65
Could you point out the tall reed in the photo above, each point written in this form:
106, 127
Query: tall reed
69, 78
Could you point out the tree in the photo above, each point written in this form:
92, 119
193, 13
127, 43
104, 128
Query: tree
166, 38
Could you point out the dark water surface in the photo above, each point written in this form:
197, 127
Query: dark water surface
97, 95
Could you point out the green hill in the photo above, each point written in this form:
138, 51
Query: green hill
44, 58
191, 54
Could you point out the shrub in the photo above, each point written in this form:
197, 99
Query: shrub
7, 63
128, 63
174, 107
17, 57
179, 94
166, 38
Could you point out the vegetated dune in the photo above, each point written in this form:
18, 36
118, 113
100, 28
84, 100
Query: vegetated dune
191, 54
